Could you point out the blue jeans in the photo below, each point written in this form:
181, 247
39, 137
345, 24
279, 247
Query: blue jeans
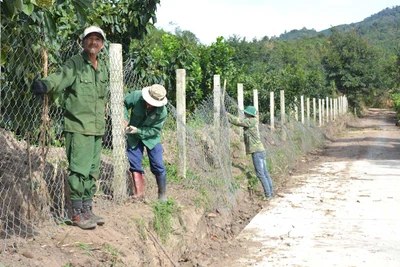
135, 156
260, 165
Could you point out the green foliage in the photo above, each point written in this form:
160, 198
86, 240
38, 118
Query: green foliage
382, 29
202, 200
156, 59
298, 34
112, 250
114, 254
216, 60
163, 215
85, 247
172, 173
141, 225
124, 20
352, 65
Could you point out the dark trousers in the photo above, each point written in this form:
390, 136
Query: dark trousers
135, 157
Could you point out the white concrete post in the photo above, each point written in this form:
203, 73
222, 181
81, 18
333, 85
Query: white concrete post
302, 108
255, 101
333, 108
308, 111
327, 109
181, 120
314, 103
319, 112
240, 98
271, 110
240, 112
283, 114
217, 105
119, 185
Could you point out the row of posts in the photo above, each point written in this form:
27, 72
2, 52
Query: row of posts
328, 109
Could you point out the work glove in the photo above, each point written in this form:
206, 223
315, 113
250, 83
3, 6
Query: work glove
38, 87
131, 130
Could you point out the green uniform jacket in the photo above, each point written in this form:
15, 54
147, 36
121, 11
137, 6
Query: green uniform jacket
148, 122
252, 140
85, 94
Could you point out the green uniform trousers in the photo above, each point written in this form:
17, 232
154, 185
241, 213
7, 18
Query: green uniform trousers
83, 153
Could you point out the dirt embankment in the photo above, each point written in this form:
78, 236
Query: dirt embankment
128, 239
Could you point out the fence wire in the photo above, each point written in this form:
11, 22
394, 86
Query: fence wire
33, 165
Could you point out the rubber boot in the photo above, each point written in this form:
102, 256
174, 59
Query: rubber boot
79, 218
162, 184
87, 210
138, 184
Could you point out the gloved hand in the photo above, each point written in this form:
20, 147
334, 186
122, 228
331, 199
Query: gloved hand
38, 87
131, 130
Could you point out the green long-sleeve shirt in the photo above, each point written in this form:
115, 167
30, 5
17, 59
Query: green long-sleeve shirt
251, 134
85, 90
148, 122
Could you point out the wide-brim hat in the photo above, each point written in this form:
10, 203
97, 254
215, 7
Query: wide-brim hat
93, 29
250, 110
155, 95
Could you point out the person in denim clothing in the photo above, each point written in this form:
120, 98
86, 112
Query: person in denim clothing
83, 79
145, 113
255, 147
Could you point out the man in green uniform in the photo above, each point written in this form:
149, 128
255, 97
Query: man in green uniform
83, 79
255, 147
145, 114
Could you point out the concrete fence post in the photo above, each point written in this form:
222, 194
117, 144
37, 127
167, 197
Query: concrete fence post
320, 112
240, 101
271, 110
181, 120
283, 114
119, 184
302, 108
217, 106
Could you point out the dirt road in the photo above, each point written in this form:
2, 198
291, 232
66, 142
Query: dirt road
344, 211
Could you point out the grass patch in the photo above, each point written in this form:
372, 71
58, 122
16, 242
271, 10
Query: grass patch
163, 215
141, 225
114, 254
85, 247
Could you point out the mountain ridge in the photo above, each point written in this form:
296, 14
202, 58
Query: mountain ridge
382, 29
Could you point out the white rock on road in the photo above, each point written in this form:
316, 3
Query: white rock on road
346, 212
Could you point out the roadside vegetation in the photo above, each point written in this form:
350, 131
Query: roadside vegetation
360, 60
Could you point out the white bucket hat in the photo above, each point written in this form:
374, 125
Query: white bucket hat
155, 95
93, 29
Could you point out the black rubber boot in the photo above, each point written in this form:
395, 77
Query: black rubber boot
87, 210
79, 218
162, 185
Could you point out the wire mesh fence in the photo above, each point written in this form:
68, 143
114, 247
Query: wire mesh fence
33, 164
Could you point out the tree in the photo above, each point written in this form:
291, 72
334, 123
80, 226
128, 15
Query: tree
351, 64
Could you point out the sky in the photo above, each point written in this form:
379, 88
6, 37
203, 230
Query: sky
249, 19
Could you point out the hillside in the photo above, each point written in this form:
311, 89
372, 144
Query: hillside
382, 29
